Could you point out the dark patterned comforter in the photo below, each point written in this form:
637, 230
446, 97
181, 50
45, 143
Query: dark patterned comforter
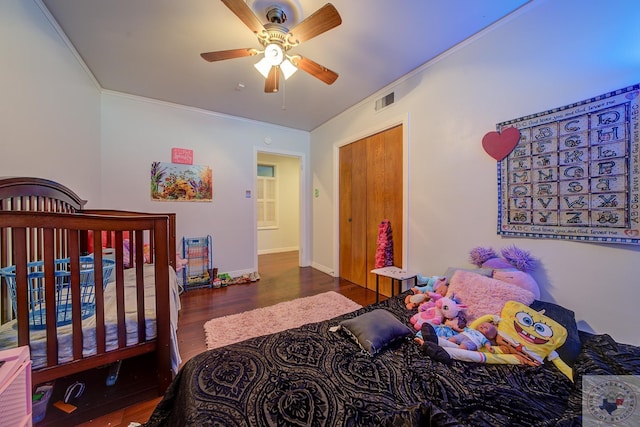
310, 376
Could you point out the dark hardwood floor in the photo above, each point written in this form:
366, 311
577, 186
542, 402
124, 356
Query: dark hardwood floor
280, 280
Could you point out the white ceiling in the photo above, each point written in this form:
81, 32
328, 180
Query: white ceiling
151, 48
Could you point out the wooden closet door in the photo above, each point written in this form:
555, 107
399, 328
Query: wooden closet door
352, 213
370, 190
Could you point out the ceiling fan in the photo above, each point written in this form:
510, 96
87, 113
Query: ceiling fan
277, 40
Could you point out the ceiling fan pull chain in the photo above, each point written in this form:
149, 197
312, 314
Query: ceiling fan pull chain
284, 91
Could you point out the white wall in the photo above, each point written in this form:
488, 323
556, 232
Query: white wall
551, 54
138, 131
49, 105
286, 236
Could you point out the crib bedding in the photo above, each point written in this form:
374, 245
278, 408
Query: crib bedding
314, 376
9, 338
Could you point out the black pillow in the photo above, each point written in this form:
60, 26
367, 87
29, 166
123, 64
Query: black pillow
375, 330
570, 350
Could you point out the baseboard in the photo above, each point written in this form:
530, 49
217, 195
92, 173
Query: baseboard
277, 250
324, 269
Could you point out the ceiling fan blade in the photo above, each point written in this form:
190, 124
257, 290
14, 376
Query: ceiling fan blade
322, 20
228, 54
246, 15
315, 69
271, 83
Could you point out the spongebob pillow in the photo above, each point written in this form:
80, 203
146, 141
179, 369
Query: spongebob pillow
526, 335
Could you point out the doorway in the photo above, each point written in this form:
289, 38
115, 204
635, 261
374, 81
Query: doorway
278, 203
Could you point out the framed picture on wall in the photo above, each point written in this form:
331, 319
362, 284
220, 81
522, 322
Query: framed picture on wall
179, 182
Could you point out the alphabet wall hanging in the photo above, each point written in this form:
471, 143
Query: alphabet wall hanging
574, 172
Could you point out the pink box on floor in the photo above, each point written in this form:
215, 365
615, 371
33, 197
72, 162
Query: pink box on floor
15, 387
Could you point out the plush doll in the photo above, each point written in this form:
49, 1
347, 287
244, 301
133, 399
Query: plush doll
475, 339
444, 308
448, 329
434, 289
513, 267
525, 337
416, 300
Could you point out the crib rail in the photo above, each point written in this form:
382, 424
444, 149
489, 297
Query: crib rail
59, 233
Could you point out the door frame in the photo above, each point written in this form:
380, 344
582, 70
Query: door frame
380, 127
304, 256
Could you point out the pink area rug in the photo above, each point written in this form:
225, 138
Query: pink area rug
279, 317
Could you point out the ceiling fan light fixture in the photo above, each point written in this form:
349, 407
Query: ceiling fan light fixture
278, 39
274, 54
263, 66
287, 68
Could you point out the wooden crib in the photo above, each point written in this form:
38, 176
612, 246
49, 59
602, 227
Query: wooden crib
42, 221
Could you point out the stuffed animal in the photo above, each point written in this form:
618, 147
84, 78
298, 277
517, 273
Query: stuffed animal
450, 328
444, 308
512, 258
513, 267
434, 289
520, 279
526, 336
429, 283
416, 300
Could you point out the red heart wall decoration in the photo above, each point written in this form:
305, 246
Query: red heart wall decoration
499, 145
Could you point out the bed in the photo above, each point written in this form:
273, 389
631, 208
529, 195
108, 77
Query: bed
315, 375
44, 225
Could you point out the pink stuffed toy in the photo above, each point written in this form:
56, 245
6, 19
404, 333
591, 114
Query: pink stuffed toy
442, 309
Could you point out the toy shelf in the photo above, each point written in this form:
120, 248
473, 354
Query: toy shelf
198, 253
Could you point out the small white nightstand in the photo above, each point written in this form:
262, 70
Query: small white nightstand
395, 274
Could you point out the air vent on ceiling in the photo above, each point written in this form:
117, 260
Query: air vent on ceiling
385, 101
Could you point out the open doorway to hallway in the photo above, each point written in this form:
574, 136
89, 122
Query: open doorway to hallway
278, 203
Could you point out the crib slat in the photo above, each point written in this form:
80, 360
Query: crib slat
50, 297
99, 290
76, 309
22, 304
142, 334
122, 330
